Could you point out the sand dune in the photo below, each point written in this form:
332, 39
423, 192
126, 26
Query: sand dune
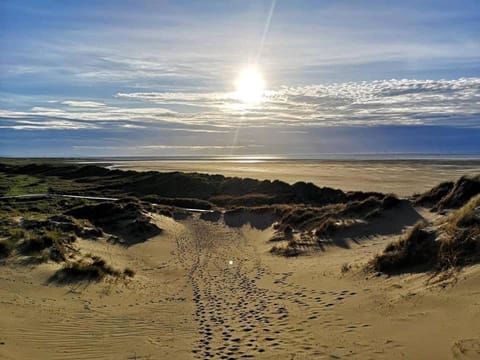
206, 290
400, 177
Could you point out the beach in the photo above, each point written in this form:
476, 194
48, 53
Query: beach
401, 177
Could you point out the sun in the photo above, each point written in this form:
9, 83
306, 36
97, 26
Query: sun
250, 85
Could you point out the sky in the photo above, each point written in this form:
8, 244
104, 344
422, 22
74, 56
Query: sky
158, 78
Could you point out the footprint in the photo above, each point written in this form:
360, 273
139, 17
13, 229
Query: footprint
466, 349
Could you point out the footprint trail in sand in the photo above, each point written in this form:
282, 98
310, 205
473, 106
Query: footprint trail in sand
237, 317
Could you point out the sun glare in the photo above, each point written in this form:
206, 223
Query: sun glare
250, 85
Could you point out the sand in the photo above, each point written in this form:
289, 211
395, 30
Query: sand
206, 290
403, 178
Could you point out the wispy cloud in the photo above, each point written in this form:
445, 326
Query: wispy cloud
167, 147
83, 104
46, 125
387, 102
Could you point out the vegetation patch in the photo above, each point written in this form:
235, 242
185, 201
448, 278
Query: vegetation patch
290, 249
21, 185
461, 243
45, 245
94, 269
124, 219
434, 195
327, 227
128, 272
450, 195
6, 248
176, 189
260, 217
417, 248
179, 202
454, 243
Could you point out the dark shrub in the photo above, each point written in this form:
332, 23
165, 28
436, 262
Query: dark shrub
5, 249
213, 216
35, 243
288, 231
129, 272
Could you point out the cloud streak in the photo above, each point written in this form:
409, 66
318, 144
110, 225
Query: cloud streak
387, 102
83, 104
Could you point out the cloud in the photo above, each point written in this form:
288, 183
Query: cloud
199, 147
83, 104
386, 102
46, 125
167, 147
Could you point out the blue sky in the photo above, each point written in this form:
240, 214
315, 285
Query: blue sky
93, 78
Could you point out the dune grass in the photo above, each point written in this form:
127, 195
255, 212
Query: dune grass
52, 243
90, 268
327, 227
455, 243
94, 269
450, 195
416, 248
22, 184
289, 250
461, 246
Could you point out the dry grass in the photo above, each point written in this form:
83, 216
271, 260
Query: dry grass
288, 250
326, 228
457, 244
82, 270
461, 245
467, 216
51, 242
450, 195
345, 268
416, 248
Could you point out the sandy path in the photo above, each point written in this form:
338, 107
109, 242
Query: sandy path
245, 310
